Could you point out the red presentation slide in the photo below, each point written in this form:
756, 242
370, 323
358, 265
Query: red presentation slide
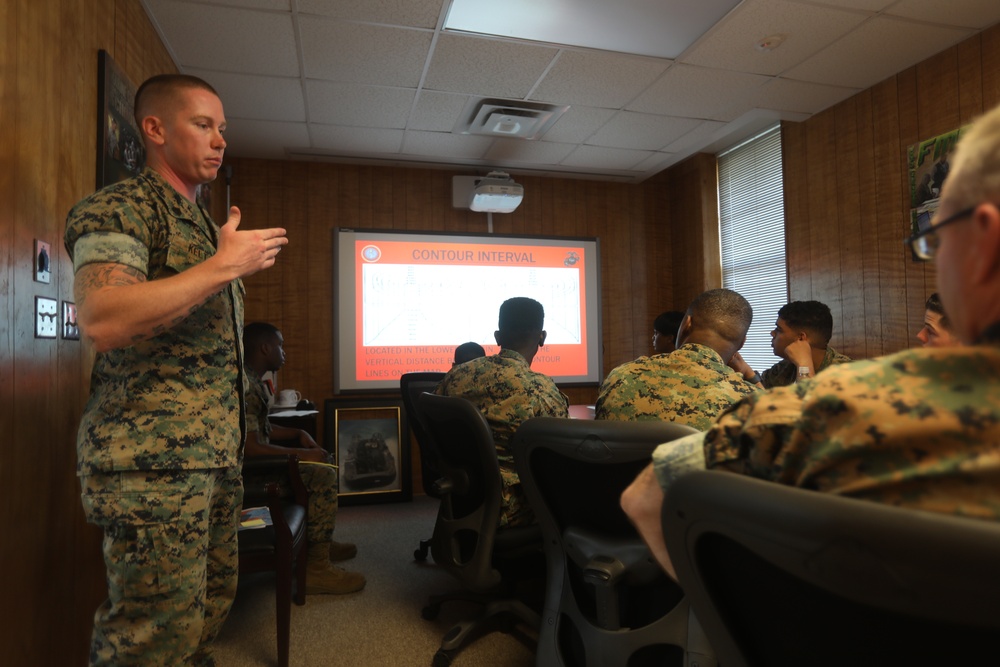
417, 300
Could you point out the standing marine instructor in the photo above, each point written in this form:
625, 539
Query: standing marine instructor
159, 297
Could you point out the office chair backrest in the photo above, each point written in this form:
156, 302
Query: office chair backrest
785, 576
466, 525
411, 385
607, 600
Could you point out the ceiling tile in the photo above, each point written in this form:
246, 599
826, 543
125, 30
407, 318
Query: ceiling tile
413, 13
261, 97
263, 139
361, 106
437, 112
275, 5
696, 137
977, 14
486, 67
578, 123
697, 92
655, 162
787, 95
355, 140
528, 152
445, 144
643, 131
227, 39
871, 6
597, 157
878, 49
807, 29
338, 51
596, 79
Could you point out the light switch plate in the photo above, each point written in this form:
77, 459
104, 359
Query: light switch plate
70, 329
43, 262
46, 317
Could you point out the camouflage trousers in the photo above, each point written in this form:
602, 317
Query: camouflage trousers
321, 483
172, 560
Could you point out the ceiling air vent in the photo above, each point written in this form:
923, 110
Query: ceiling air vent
514, 119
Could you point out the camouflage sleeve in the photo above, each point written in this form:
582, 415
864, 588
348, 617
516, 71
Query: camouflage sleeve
111, 247
677, 457
781, 374
750, 434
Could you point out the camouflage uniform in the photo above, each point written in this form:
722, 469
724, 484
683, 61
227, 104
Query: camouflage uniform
785, 372
320, 480
505, 389
160, 441
917, 429
689, 385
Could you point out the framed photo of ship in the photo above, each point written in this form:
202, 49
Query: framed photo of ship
120, 151
371, 447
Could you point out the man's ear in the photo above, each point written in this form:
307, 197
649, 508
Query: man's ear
985, 263
541, 339
683, 331
498, 337
802, 335
153, 128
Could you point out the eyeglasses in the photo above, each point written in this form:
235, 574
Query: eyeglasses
925, 242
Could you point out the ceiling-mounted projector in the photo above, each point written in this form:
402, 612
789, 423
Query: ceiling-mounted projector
496, 193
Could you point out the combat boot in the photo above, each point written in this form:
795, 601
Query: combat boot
324, 577
342, 551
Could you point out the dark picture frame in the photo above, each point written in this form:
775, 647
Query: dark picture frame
120, 151
370, 441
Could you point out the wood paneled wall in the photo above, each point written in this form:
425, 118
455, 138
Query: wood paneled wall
846, 194
51, 559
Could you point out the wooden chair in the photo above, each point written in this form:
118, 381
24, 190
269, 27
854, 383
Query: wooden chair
274, 482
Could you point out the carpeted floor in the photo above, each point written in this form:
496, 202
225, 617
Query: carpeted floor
380, 626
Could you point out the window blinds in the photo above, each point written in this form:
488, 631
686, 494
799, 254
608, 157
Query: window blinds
752, 234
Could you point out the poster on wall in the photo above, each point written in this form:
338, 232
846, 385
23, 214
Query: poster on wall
928, 163
120, 153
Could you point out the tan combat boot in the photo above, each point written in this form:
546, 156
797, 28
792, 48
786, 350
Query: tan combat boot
324, 577
342, 551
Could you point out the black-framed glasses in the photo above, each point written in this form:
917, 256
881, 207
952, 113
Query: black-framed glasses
925, 242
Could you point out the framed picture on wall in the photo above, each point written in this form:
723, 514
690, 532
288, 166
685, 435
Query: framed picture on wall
371, 446
928, 163
120, 152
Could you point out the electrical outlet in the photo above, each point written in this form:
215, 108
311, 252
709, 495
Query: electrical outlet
46, 317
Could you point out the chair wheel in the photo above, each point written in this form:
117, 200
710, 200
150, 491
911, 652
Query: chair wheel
441, 659
419, 555
431, 611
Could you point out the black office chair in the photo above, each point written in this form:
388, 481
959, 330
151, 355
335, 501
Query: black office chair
467, 543
411, 385
607, 600
782, 576
274, 482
